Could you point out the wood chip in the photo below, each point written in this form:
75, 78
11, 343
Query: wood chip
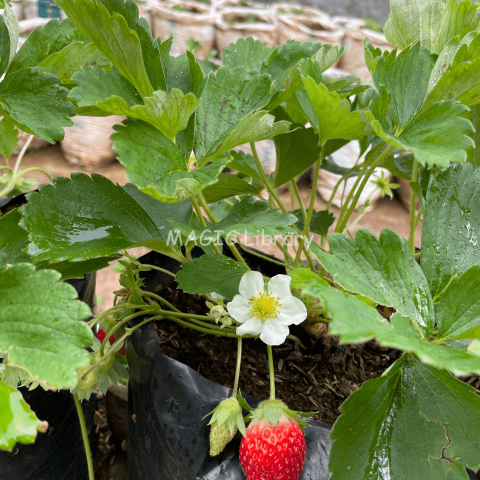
309, 389
312, 378
174, 343
134, 418
168, 339
258, 382
275, 378
280, 365
314, 402
298, 369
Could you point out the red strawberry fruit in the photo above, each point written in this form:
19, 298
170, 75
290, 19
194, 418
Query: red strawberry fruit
274, 446
101, 336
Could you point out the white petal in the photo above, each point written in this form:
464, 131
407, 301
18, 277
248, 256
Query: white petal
251, 284
292, 311
279, 285
252, 327
239, 309
273, 332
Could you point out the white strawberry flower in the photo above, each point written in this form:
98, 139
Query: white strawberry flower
266, 312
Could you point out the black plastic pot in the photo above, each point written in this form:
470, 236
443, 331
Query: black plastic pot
167, 401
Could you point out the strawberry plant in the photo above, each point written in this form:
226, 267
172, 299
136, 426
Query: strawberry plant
418, 118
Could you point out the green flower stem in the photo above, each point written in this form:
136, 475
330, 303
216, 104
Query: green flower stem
476, 135
294, 186
343, 222
202, 221
259, 255
86, 443
411, 238
153, 267
159, 299
292, 196
237, 370
306, 228
337, 185
272, 372
114, 309
288, 257
212, 217
222, 333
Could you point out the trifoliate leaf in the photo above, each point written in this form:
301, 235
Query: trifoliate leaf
229, 96
211, 273
246, 53
413, 20
451, 225
109, 220
332, 117
70, 59
44, 109
17, 421
383, 270
229, 185
113, 37
8, 137
8, 38
41, 325
413, 422
437, 136
248, 217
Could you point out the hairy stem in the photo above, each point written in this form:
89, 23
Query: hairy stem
86, 442
202, 221
153, 267
237, 370
159, 299
294, 186
411, 238
272, 372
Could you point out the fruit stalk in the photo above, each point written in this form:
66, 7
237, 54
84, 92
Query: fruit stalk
272, 372
83, 426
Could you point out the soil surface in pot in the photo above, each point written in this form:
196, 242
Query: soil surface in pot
317, 376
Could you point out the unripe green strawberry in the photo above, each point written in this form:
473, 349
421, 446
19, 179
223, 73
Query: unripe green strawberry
106, 364
90, 382
226, 420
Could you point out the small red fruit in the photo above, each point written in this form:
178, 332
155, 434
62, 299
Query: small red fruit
101, 336
273, 451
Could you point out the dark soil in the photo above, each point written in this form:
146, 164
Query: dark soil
317, 375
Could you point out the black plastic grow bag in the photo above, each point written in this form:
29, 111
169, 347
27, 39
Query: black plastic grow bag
167, 401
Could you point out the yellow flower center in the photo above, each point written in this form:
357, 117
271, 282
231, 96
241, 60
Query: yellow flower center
265, 306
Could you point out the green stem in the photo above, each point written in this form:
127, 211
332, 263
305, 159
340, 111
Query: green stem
272, 372
344, 178
153, 267
299, 198
292, 197
86, 443
114, 309
237, 370
159, 299
476, 134
411, 238
343, 222
259, 255
283, 249
203, 223
222, 333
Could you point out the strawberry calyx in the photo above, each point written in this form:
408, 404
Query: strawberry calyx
226, 420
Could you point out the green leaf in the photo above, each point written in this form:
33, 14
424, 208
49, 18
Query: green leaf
459, 18
329, 165
167, 177
95, 85
245, 164
413, 20
229, 185
248, 217
450, 244
333, 118
383, 270
41, 325
246, 53
327, 56
320, 222
8, 137
406, 80
13, 239
296, 151
43, 109
8, 38
458, 312
86, 218
211, 273
18, 423
44, 41
68, 61
113, 37
302, 276
229, 96
415, 422
437, 136
185, 74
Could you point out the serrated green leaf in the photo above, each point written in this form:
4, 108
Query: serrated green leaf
383, 270
44, 41
41, 325
413, 20
329, 165
437, 136
8, 137
333, 118
320, 222
211, 273
44, 109
246, 53
248, 217
113, 37
13, 239
185, 74
327, 56
229, 96
296, 151
302, 276
110, 219
229, 185
70, 59
245, 164
8, 38
18, 423
405, 78
411, 425
450, 244
458, 18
